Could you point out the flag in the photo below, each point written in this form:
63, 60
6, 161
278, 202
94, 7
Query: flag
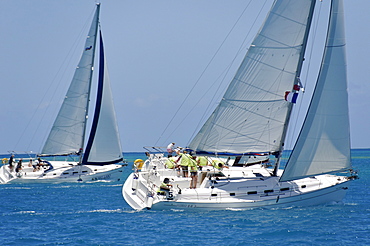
291, 96
296, 87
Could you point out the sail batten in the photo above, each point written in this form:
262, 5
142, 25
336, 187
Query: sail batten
323, 145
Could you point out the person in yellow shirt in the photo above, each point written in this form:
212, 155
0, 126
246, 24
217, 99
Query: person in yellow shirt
202, 161
219, 165
184, 159
165, 187
170, 163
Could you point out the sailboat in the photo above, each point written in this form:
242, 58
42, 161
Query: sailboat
252, 120
101, 158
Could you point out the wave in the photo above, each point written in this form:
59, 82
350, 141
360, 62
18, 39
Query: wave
16, 188
105, 211
24, 212
239, 209
69, 212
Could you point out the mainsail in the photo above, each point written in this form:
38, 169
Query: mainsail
251, 116
323, 145
68, 131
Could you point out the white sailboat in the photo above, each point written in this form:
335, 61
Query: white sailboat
252, 120
102, 156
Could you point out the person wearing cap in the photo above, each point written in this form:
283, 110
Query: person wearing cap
202, 161
165, 187
184, 159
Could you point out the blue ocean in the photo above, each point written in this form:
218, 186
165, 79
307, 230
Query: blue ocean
96, 214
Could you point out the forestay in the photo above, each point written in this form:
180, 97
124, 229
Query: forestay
251, 115
323, 145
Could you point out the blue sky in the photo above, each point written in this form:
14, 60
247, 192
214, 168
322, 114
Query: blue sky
156, 52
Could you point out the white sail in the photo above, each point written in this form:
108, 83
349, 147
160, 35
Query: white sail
251, 115
103, 146
323, 145
67, 134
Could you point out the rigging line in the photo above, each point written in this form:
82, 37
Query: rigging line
225, 72
71, 51
228, 68
201, 75
40, 103
190, 111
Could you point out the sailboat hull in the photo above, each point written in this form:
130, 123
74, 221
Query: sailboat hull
61, 171
325, 196
233, 188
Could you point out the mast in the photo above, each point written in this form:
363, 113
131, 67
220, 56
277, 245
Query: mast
99, 97
296, 82
97, 13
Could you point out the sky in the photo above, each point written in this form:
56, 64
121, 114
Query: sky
169, 64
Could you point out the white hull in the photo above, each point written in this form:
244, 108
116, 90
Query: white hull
323, 196
238, 188
62, 171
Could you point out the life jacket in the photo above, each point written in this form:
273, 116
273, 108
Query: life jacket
193, 165
170, 163
202, 160
185, 159
216, 164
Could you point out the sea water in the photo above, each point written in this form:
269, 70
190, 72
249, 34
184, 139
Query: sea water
96, 214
